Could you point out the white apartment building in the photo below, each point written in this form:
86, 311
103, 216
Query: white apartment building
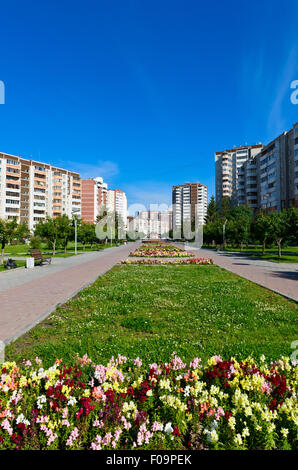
230, 177
260, 177
30, 190
278, 172
190, 202
153, 224
116, 201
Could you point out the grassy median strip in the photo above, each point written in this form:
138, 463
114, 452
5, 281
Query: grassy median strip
152, 311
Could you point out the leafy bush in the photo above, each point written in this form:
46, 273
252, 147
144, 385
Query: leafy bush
35, 242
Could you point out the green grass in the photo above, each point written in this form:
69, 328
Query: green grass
23, 250
20, 264
151, 311
289, 253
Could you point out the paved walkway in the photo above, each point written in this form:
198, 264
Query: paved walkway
279, 277
27, 296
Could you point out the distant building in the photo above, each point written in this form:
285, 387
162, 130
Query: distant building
152, 224
31, 190
117, 202
94, 195
190, 202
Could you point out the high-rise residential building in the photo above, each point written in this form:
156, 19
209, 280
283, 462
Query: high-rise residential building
230, 177
116, 202
31, 190
190, 201
94, 195
260, 177
277, 167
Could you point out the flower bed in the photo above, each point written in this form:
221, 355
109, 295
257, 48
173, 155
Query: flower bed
164, 251
222, 405
200, 261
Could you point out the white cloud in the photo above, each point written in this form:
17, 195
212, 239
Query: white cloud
104, 168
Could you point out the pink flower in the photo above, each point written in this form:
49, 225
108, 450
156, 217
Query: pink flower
137, 362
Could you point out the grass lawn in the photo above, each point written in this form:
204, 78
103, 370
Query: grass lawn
151, 311
289, 253
23, 250
20, 264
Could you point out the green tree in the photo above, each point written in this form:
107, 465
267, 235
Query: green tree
225, 207
212, 232
49, 231
239, 225
22, 231
8, 230
280, 228
293, 224
262, 230
212, 211
65, 230
86, 233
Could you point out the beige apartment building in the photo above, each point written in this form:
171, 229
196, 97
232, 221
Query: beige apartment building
31, 190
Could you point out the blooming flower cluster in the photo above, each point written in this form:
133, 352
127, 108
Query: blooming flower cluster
201, 261
160, 251
224, 404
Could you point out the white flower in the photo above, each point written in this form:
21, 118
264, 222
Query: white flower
21, 419
40, 400
168, 428
71, 401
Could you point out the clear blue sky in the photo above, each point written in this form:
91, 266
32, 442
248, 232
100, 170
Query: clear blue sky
143, 92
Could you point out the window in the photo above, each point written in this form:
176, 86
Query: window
12, 162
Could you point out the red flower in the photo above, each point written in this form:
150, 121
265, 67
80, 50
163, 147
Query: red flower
176, 431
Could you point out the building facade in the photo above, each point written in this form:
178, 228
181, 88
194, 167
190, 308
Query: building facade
190, 202
116, 201
31, 190
94, 197
278, 172
231, 178
260, 177
152, 224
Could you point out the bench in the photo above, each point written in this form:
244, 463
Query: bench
38, 256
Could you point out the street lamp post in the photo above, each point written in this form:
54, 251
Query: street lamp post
76, 229
223, 233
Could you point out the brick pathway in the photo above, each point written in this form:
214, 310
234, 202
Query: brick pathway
279, 277
27, 296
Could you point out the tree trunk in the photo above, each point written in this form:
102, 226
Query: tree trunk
213, 242
263, 247
2, 253
65, 246
84, 243
241, 246
279, 247
54, 247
